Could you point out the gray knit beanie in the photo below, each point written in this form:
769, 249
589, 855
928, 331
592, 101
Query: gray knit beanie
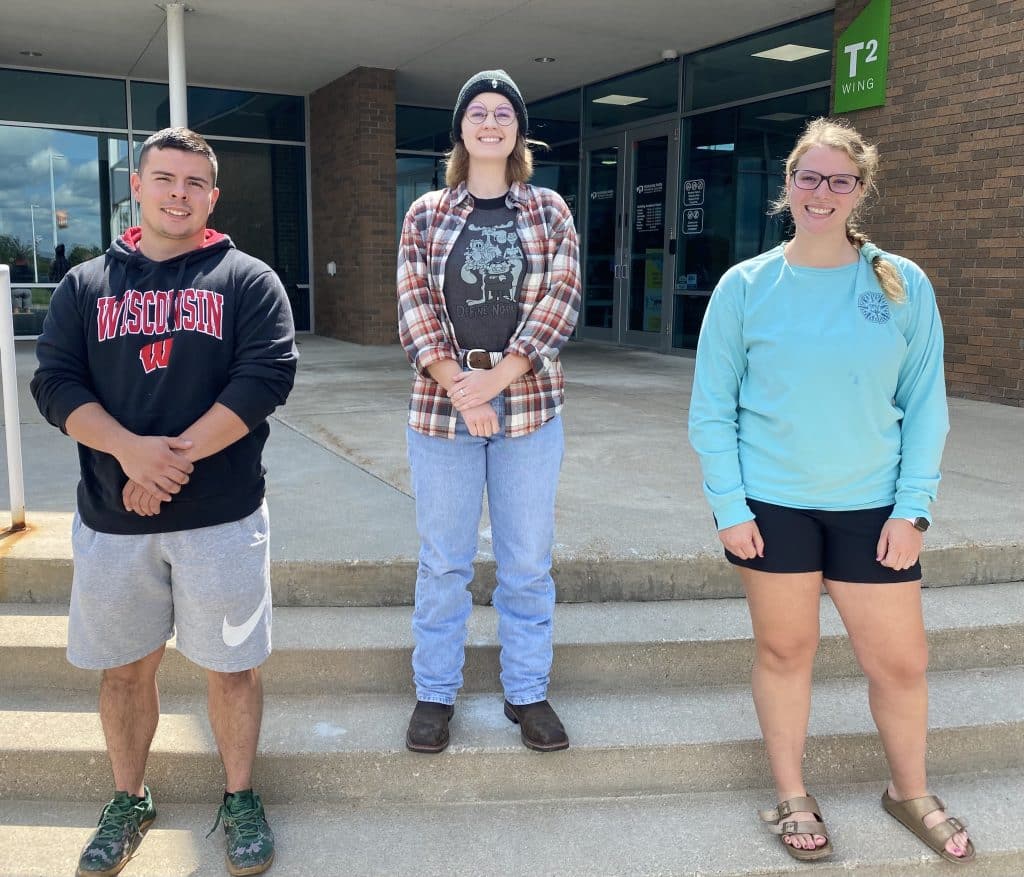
497, 81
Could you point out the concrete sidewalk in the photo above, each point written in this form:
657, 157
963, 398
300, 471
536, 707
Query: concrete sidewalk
630, 516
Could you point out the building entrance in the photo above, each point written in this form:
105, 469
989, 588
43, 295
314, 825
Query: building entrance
629, 238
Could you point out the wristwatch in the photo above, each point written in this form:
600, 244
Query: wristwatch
919, 523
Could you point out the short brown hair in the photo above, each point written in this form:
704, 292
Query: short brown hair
519, 168
184, 139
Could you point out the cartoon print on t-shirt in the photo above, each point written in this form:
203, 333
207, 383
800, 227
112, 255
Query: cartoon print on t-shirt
494, 261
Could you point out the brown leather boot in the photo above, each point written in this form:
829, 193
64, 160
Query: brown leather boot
539, 726
428, 727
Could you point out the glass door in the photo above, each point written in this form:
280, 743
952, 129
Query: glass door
600, 242
648, 244
629, 237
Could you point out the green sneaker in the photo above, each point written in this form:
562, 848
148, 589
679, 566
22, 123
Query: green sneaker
250, 842
122, 824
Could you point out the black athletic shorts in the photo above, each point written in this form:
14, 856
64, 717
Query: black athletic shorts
840, 545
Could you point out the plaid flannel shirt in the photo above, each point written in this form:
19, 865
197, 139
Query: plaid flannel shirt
548, 304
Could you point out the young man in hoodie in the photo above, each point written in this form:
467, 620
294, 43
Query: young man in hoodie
163, 360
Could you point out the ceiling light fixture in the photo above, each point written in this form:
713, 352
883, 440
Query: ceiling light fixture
619, 100
544, 59
31, 53
789, 52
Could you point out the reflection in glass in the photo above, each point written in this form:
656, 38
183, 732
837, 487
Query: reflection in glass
643, 94
58, 189
423, 129
558, 168
687, 316
735, 71
600, 268
262, 207
732, 171
647, 252
556, 119
61, 99
415, 175
222, 112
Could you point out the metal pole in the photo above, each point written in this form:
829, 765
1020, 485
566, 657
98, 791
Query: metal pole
53, 204
176, 79
53, 197
35, 259
12, 417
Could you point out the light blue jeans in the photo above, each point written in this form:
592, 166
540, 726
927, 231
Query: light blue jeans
448, 479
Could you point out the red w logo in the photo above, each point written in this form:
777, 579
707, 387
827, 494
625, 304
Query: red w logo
155, 355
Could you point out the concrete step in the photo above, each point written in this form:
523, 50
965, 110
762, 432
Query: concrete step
598, 646
681, 835
351, 747
35, 567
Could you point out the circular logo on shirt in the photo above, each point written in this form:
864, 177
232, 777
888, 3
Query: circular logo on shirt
874, 307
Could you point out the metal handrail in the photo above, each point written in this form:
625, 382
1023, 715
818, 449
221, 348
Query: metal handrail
12, 415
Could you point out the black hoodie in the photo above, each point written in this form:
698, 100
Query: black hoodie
157, 344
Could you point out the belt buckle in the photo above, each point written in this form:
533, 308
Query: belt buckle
482, 357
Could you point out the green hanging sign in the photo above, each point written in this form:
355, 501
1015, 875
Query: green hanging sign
862, 56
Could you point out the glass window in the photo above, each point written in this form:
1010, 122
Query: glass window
558, 168
262, 207
556, 119
220, 112
600, 269
797, 54
415, 175
58, 99
732, 170
423, 129
644, 94
63, 196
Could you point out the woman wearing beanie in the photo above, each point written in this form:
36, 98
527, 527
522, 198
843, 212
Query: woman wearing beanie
488, 293
819, 415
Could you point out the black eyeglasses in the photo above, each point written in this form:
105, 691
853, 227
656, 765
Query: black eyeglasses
503, 115
841, 184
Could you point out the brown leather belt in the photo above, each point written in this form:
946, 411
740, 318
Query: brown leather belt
479, 359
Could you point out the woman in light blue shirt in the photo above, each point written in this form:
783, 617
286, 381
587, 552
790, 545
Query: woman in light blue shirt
819, 415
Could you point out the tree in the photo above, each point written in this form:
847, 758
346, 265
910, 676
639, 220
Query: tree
12, 248
81, 253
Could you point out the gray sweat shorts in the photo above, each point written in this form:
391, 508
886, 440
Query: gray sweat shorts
210, 585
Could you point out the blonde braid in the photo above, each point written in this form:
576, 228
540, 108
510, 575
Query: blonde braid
889, 277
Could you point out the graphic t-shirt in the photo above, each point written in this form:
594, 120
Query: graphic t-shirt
483, 277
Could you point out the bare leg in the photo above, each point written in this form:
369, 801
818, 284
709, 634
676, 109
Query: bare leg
235, 703
129, 713
784, 612
887, 633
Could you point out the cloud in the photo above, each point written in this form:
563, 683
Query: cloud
25, 180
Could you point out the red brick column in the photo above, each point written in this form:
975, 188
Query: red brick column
951, 187
352, 159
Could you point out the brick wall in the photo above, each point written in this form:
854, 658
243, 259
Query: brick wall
352, 158
951, 187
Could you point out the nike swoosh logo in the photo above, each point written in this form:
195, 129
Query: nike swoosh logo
235, 635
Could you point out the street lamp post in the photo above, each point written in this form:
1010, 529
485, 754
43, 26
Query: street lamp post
53, 199
35, 259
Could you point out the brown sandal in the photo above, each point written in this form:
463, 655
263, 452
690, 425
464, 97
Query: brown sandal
780, 827
911, 813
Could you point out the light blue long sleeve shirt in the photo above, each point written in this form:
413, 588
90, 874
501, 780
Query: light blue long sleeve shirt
812, 390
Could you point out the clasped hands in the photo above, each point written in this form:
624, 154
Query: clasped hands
157, 468
471, 393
